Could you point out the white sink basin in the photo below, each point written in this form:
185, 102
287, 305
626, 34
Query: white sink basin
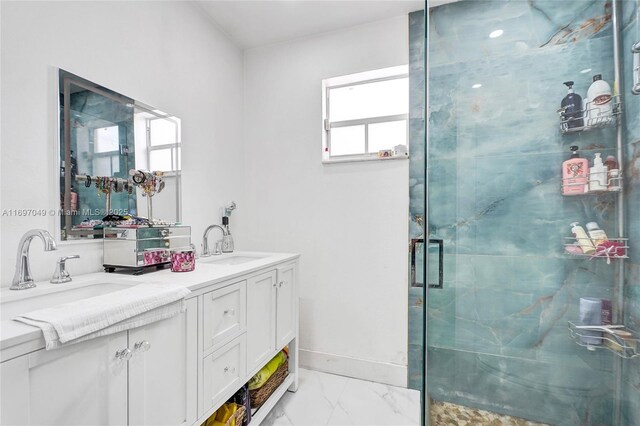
229, 260
22, 301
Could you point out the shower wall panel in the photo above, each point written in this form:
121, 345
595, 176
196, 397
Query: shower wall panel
497, 331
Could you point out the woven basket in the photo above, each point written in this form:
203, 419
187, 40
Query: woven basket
260, 395
238, 416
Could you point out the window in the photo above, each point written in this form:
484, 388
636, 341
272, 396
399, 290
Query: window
365, 115
163, 144
106, 151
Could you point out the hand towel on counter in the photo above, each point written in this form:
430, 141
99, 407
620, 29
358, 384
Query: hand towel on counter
107, 314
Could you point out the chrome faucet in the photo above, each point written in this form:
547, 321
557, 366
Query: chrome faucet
205, 239
22, 278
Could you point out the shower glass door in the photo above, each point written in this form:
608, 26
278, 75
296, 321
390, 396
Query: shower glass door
503, 288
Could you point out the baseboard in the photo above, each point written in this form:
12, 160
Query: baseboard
375, 371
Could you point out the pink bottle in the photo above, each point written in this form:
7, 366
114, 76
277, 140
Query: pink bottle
575, 174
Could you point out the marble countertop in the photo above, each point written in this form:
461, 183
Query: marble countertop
18, 338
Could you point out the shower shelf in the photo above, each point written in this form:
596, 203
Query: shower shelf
618, 339
618, 250
613, 183
595, 121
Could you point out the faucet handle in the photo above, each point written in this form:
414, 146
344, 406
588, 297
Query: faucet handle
61, 275
218, 249
63, 259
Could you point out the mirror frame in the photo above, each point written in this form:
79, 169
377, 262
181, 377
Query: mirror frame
65, 79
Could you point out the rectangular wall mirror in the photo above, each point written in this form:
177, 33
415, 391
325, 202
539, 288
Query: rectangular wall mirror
104, 135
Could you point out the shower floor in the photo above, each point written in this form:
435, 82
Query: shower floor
447, 414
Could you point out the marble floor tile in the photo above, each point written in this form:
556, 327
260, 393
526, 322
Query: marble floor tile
327, 399
372, 404
312, 404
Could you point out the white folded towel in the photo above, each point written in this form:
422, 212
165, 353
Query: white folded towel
107, 314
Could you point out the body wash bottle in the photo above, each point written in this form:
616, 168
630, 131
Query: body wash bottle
572, 108
598, 175
582, 238
598, 109
575, 174
597, 235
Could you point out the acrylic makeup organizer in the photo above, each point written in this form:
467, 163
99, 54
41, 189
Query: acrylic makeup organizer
625, 347
591, 117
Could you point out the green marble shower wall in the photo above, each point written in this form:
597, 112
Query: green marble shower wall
497, 331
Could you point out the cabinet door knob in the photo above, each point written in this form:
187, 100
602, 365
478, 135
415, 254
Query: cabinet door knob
142, 346
229, 312
124, 354
280, 283
231, 370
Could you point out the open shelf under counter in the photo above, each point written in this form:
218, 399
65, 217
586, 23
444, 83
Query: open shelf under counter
258, 415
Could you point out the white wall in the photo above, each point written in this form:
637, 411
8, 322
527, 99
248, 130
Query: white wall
165, 54
349, 221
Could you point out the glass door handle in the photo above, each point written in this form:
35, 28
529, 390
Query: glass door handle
636, 69
440, 243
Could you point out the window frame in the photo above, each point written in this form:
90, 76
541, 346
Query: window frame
367, 77
174, 148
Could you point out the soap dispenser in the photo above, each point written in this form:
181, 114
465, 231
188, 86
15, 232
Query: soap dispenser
227, 239
571, 106
598, 102
598, 175
575, 173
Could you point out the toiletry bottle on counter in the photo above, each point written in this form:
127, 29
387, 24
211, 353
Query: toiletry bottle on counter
575, 172
598, 101
572, 108
596, 234
598, 175
582, 238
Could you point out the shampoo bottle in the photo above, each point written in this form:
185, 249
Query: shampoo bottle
596, 234
598, 109
572, 108
598, 175
575, 174
582, 238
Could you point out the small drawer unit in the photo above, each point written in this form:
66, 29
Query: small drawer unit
224, 371
142, 247
225, 315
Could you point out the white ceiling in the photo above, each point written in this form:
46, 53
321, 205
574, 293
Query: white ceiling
252, 23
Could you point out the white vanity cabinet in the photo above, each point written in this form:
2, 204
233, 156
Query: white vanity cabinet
174, 372
163, 371
77, 385
92, 383
271, 313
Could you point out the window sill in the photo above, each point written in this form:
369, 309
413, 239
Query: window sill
363, 159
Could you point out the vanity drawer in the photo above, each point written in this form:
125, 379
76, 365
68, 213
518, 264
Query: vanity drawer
225, 315
224, 371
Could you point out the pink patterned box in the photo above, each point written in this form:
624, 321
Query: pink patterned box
183, 260
156, 256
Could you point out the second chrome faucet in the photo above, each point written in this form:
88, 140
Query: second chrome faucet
225, 245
